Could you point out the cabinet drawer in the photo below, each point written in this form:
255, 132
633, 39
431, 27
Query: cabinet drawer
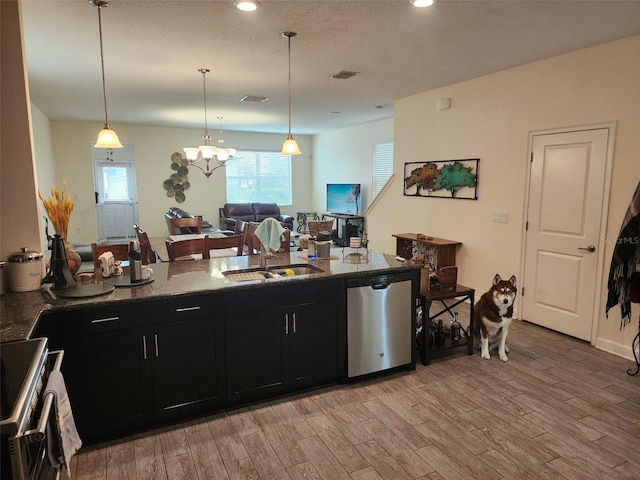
102, 319
186, 307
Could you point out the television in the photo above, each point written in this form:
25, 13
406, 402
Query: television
344, 198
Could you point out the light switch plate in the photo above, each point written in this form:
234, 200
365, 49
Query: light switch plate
500, 217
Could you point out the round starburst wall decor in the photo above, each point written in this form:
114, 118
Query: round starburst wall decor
178, 182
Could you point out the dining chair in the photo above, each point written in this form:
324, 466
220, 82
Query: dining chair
228, 242
186, 249
177, 224
240, 228
316, 226
120, 251
255, 245
250, 240
149, 255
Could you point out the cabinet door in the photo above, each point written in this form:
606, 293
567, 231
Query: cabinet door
317, 338
257, 354
109, 383
188, 367
107, 378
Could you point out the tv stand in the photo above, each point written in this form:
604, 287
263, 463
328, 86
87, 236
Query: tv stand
347, 226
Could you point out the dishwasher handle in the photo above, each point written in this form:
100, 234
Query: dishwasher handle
378, 282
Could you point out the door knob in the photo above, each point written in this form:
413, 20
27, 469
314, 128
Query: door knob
590, 248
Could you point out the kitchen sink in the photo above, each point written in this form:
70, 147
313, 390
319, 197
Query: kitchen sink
271, 271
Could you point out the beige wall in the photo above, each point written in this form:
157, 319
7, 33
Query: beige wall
491, 118
18, 209
153, 147
344, 156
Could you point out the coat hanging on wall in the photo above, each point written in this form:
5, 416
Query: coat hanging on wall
622, 286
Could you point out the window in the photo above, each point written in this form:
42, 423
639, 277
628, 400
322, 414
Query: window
115, 182
259, 177
382, 166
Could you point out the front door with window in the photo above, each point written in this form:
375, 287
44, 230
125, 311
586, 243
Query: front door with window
116, 195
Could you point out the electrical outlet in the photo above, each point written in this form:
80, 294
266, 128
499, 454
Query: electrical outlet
78, 230
500, 217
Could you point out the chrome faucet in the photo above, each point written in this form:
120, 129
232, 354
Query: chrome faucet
264, 255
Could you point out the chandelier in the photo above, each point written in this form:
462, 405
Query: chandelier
206, 151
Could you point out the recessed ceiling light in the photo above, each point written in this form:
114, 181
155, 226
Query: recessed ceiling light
246, 5
421, 3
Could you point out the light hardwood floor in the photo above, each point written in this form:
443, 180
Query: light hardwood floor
558, 408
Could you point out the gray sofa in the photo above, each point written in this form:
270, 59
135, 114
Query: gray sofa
252, 212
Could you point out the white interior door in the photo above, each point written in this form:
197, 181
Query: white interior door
116, 194
566, 190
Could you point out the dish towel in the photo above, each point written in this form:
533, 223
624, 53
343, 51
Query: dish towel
623, 261
63, 439
269, 232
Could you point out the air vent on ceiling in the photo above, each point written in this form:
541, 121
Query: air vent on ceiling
344, 75
254, 98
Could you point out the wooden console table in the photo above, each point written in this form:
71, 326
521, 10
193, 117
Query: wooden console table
408, 246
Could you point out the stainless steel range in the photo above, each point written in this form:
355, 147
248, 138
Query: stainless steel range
25, 410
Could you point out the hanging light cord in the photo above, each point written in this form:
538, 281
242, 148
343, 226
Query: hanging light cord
104, 87
220, 140
206, 136
289, 35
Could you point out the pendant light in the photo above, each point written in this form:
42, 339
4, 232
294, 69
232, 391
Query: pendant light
290, 146
107, 138
208, 152
223, 154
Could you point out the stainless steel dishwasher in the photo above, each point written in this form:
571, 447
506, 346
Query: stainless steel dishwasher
379, 323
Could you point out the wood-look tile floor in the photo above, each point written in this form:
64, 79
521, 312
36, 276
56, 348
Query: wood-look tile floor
559, 408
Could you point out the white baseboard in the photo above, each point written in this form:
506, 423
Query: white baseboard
618, 349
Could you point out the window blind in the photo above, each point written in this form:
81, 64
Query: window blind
382, 166
259, 177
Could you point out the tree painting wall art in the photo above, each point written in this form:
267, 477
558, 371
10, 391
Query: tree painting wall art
442, 179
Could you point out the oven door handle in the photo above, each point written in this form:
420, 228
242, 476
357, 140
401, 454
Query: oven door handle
39, 432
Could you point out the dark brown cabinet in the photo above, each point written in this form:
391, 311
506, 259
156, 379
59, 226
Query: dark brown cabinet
109, 386
187, 355
274, 349
135, 365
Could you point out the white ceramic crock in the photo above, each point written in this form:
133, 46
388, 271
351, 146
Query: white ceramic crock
25, 270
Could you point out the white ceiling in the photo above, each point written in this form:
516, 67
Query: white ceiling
153, 50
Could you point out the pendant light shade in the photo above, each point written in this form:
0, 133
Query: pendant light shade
107, 138
290, 146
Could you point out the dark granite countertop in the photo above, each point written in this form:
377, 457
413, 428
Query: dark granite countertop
19, 312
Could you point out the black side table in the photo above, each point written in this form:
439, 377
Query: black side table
426, 298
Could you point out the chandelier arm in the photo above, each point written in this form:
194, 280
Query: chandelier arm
207, 171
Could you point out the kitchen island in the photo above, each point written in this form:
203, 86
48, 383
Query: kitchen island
193, 341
